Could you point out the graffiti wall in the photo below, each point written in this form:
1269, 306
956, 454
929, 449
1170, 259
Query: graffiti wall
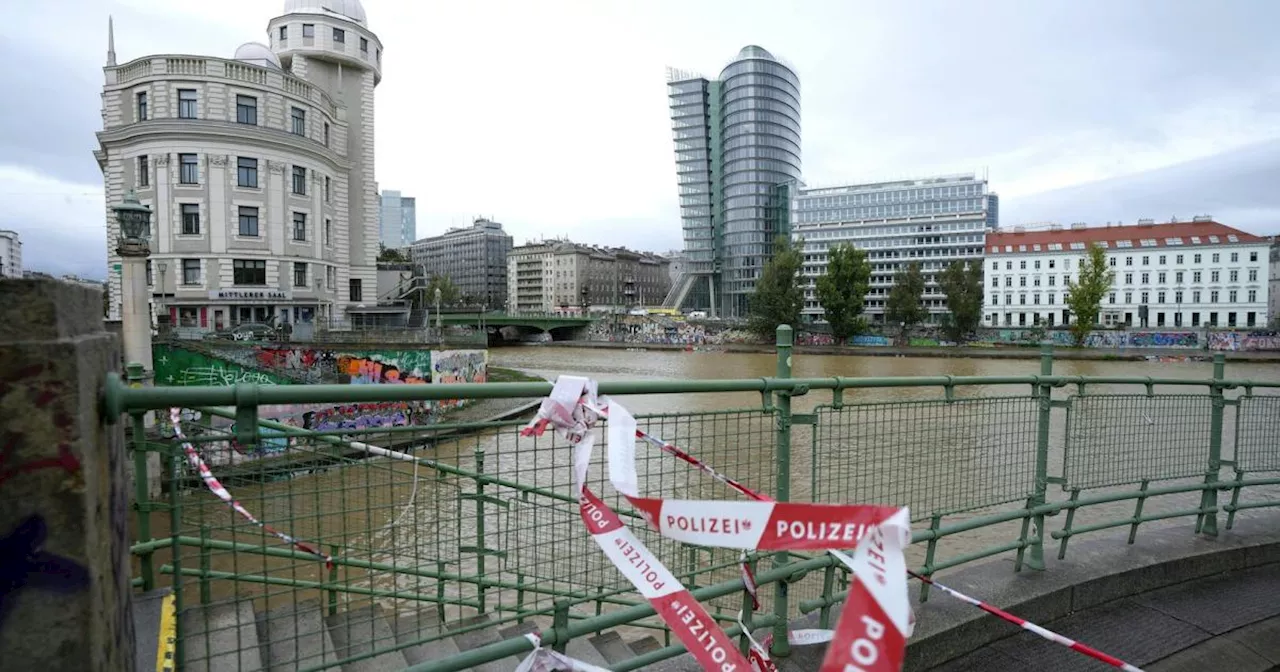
180, 366
1096, 339
1244, 340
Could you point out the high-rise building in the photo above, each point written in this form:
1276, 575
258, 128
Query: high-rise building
10, 254
474, 259
933, 221
737, 145
561, 276
1177, 274
258, 169
397, 219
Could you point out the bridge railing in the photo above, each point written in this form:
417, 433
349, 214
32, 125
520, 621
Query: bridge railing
480, 521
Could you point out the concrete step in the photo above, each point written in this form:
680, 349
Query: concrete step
412, 627
362, 631
220, 638
295, 636
611, 646
147, 611
478, 638
644, 645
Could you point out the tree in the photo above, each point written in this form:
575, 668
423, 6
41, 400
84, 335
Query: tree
391, 254
1084, 297
961, 281
449, 293
842, 290
778, 297
903, 305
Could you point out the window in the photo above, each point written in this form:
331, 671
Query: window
308, 30
1022, 299
190, 271
1128, 297
1177, 297
1066, 264
995, 299
1022, 281
1160, 277
248, 221
328, 240
1196, 259
1213, 296
144, 171
249, 271
326, 134
339, 36
300, 226
1008, 265
1253, 275
1053, 280
1111, 261
299, 274
1035, 298
1022, 264
1195, 296
1162, 260
247, 110
1146, 260
1235, 256
1128, 278
1036, 281
330, 277
1051, 295
142, 106
1195, 276
1177, 277
1146, 278
150, 279
326, 188
1128, 261
299, 119
1179, 259
186, 103
299, 181
1111, 298
1231, 296
1253, 256
1037, 266
1077, 246
246, 172
1213, 276
364, 46
1234, 276
190, 219
1159, 297
284, 33
188, 169
353, 290
1253, 295
1215, 257
1145, 296
1051, 263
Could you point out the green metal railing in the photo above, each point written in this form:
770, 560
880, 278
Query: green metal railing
481, 523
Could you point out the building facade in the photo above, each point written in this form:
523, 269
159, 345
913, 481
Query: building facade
561, 276
1273, 290
1194, 274
258, 169
10, 254
737, 147
932, 221
397, 219
474, 259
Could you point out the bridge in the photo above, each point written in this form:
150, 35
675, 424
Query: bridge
1071, 500
561, 327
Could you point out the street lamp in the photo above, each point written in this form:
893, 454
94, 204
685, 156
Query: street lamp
163, 267
437, 298
134, 248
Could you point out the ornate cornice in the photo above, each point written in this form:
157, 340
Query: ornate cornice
185, 130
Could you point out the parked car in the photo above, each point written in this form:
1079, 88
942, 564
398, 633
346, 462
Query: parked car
247, 332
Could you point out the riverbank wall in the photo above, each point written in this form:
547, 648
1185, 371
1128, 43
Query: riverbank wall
979, 352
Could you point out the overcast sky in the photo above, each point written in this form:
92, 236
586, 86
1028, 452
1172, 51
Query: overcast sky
551, 116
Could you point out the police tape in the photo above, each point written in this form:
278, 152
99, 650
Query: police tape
198, 463
871, 634
547, 660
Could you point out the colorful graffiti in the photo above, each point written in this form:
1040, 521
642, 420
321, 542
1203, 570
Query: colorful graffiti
459, 366
1096, 339
180, 366
870, 340
360, 369
1244, 340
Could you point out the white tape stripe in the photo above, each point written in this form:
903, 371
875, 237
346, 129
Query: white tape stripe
1048, 634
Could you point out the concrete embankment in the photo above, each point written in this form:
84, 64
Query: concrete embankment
991, 352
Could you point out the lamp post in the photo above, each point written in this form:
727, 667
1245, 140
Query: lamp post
437, 300
134, 248
163, 267
319, 283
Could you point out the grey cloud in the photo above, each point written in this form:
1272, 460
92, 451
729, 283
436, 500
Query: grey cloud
1237, 188
50, 114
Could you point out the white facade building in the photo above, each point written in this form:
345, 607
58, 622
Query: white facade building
397, 219
10, 254
932, 221
259, 170
1174, 275
562, 276
1273, 297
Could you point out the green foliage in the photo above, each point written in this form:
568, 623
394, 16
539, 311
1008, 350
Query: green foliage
962, 283
903, 305
449, 294
391, 254
842, 290
1084, 297
778, 297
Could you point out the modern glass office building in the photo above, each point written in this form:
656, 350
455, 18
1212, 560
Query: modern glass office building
933, 221
737, 144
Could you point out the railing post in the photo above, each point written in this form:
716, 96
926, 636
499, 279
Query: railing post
781, 647
134, 373
1209, 497
1044, 394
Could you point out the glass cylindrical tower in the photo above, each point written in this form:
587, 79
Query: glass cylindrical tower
760, 118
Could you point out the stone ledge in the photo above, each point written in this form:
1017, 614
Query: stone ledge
47, 310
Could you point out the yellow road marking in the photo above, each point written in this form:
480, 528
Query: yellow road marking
168, 635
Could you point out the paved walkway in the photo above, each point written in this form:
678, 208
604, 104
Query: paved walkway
1226, 622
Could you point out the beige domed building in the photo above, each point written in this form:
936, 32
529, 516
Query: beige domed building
259, 170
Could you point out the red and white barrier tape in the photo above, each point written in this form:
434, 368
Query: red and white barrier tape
193, 457
1027, 625
872, 631
549, 660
